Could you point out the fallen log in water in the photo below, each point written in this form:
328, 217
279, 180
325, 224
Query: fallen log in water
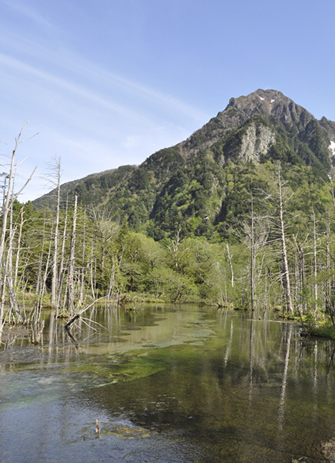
77, 315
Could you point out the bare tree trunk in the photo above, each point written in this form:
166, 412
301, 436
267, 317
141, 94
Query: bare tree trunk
40, 263
83, 269
18, 247
266, 295
253, 258
9, 272
61, 266
286, 274
314, 265
281, 410
13, 302
297, 286
302, 274
8, 196
70, 281
231, 266
174, 249
112, 280
2, 278
43, 284
54, 281
253, 233
91, 272
5, 208
300, 281
329, 306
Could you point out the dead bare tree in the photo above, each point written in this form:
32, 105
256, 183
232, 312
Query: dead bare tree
61, 266
230, 265
315, 269
280, 223
70, 279
9, 198
17, 261
253, 233
54, 280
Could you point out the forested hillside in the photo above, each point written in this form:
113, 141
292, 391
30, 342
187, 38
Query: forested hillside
240, 214
199, 184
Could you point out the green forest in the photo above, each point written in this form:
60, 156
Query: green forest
273, 247
240, 215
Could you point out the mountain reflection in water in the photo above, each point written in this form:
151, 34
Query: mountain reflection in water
167, 383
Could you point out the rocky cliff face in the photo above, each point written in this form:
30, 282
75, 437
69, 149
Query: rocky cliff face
256, 141
271, 104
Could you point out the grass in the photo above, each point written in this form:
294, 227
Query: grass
319, 324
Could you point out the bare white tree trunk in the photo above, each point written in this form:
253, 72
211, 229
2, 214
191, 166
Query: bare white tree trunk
231, 266
91, 272
9, 198
253, 233
70, 280
54, 281
286, 274
8, 272
83, 269
42, 286
8, 194
61, 266
17, 261
315, 271
253, 258
6, 208
174, 248
281, 411
40, 263
329, 306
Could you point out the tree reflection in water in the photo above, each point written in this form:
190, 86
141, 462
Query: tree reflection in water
207, 385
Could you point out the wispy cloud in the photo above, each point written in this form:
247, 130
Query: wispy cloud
92, 116
63, 61
142, 90
27, 11
74, 88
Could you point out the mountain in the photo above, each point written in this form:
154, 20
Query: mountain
293, 124
92, 190
201, 183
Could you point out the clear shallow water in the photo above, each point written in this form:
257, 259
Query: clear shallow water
174, 383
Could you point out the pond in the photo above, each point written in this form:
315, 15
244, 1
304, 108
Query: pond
168, 383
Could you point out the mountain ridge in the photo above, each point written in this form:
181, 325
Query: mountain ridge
175, 185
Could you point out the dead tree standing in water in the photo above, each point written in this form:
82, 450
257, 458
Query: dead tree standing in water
70, 280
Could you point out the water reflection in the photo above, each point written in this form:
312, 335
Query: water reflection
284, 383
183, 383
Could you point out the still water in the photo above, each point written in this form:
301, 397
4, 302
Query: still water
167, 384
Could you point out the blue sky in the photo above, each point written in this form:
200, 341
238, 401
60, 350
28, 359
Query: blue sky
109, 82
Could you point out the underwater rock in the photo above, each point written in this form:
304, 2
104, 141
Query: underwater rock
122, 430
328, 450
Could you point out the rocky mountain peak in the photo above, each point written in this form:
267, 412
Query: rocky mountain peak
270, 103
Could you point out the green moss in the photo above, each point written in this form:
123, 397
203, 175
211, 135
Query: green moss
322, 331
107, 429
128, 368
317, 325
